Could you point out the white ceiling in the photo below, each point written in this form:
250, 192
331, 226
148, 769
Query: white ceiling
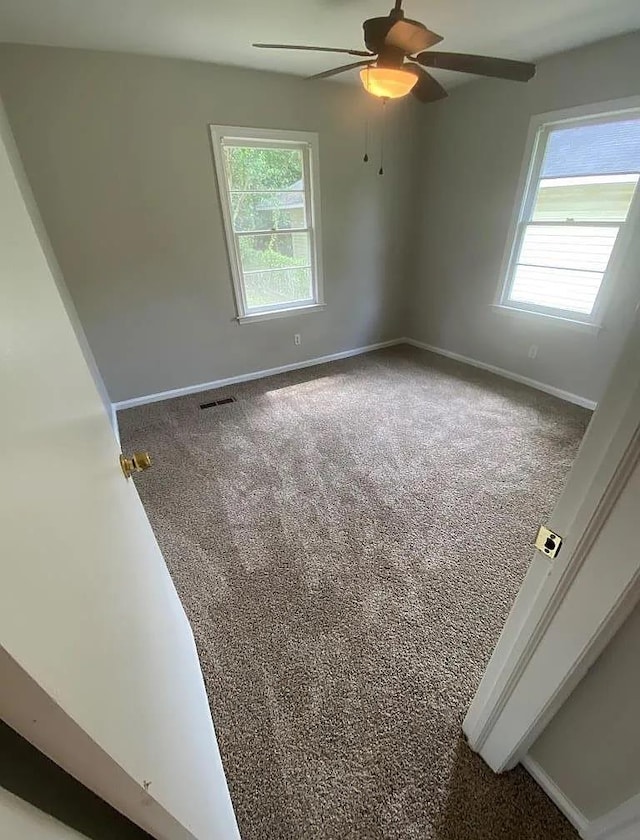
222, 32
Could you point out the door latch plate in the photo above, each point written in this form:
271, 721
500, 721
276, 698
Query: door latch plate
548, 542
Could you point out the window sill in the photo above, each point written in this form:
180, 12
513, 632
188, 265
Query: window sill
280, 313
570, 323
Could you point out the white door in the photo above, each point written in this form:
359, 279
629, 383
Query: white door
89, 618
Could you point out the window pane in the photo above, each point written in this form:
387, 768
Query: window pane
274, 250
564, 246
582, 194
251, 168
599, 198
593, 149
557, 288
270, 288
268, 210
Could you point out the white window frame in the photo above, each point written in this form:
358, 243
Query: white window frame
307, 141
539, 129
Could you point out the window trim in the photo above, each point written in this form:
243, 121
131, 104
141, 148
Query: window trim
281, 138
540, 126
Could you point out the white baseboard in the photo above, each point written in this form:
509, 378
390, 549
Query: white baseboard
345, 354
114, 423
516, 377
573, 814
622, 823
247, 377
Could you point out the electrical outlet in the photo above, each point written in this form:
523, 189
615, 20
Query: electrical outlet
296, 339
533, 351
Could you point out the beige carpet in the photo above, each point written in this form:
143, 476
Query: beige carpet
347, 541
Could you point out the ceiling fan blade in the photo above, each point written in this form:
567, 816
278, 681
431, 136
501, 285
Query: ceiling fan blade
411, 36
375, 31
480, 65
315, 49
336, 70
427, 88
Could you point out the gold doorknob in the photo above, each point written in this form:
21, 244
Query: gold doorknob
138, 462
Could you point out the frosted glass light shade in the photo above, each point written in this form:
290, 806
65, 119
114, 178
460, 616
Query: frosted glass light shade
387, 82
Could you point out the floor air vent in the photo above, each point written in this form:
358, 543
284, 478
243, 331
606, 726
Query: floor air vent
224, 401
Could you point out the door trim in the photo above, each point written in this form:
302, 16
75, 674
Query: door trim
511, 707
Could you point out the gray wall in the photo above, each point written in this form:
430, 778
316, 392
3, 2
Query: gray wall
6, 137
591, 748
472, 150
117, 152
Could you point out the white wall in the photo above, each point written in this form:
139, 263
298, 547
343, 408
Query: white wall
21, 821
117, 151
471, 152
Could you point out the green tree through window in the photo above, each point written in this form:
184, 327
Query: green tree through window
266, 189
270, 195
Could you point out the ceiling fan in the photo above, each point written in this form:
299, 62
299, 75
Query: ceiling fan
392, 39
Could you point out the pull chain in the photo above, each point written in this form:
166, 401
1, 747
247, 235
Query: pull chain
366, 139
366, 127
381, 170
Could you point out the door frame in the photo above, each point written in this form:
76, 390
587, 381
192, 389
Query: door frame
567, 609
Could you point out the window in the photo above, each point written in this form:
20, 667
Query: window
270, 204
582, 180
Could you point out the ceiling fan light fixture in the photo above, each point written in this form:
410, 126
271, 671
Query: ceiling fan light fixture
387, 82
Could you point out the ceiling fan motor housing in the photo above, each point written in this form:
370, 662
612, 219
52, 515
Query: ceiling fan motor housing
390, 57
